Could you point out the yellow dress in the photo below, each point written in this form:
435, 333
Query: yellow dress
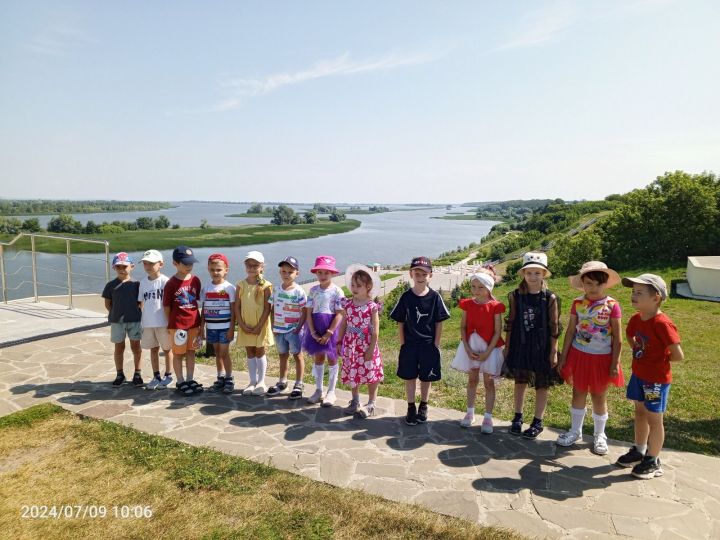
252, 303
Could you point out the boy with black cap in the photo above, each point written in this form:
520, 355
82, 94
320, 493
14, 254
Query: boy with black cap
288, 319
420, 312
180, 301
655, 343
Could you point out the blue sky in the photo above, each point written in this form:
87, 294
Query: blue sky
358, 102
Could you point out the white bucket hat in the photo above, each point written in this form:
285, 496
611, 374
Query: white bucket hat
376, 283
535, 259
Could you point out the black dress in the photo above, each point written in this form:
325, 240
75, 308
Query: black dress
532, 319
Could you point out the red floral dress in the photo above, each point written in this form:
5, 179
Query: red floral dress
355, 369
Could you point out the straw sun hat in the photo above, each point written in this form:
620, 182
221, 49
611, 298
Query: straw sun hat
594, 266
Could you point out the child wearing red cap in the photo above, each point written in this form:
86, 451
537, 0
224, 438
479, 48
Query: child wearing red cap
218, 319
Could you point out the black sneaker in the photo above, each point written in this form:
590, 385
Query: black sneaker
631, 458
648, 468
516, 426
411, 416
297, 391
119, 380
279, 388
219, 384
535, 429
422, 413
137, 380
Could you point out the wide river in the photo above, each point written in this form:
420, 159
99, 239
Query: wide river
387, 238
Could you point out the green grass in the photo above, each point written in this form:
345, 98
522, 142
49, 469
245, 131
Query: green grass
58, 458
229, 236
691, 422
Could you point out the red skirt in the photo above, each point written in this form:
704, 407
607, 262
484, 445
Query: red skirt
590, 372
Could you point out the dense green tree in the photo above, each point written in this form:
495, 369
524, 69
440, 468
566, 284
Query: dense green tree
64, 223
162, 222
284, 215
145, 223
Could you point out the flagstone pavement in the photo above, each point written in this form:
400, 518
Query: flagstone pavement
535, 487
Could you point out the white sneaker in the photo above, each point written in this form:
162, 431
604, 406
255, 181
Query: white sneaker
600, 446
329, 400
568, 438
487, 426
248, 390
468, 421
166, 381
154, 384
260, 389
316, 397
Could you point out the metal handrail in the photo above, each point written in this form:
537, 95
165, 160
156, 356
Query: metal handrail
68, 255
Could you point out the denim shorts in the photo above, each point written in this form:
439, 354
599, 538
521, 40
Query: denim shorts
287, 342
653, 395
216, 335
118, 331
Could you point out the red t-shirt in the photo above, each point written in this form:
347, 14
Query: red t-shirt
480, 318
651, 338
181, 296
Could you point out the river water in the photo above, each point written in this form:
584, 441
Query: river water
387, 238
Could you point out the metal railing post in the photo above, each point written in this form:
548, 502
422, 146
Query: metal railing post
107, 261
2, 272
34, 267
69, 274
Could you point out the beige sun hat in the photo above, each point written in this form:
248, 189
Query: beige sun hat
594, 266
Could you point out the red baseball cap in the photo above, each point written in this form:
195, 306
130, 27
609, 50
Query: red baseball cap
218, 257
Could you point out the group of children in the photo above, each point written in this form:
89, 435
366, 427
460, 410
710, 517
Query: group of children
176, 314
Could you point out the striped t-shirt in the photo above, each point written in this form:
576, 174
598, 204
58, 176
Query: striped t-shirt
287, 308
217, 305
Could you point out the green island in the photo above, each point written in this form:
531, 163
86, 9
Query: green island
32, 207
205, 236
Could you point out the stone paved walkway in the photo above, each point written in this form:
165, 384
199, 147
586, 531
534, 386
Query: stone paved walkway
532, 486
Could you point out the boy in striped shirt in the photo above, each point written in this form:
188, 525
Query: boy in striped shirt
218, 319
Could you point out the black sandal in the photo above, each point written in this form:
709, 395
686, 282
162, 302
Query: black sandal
196, 387
535, 429
181, 387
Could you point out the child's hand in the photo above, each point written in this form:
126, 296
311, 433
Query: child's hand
230, 334
338, 348
553, 359
614, 370
481, 357
324, 339
369, 355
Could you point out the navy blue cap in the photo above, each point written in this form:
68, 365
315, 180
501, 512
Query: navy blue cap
421, 262
292, 261
184, 254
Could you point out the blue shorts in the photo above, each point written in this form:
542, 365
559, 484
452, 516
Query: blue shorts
216, 335
287, 342
653, 395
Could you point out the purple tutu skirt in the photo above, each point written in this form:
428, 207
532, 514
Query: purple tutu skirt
321, 322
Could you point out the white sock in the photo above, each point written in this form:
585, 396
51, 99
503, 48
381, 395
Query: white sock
642, 448
220, 374
471, 410
333, 377
488, 416
283, 380
252, 370
319, 373
600, 420
577, 416
261, 368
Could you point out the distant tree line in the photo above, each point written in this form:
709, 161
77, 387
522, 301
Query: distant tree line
66, 224
15, 207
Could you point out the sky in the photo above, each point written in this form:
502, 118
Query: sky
385, 102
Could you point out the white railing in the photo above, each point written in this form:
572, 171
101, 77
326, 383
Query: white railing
34, 266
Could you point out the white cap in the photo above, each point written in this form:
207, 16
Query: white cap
255, 256
152, 256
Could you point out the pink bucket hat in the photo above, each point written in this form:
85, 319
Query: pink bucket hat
325, 262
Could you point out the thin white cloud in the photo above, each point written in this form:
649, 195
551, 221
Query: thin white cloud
242, 88
58, 40
541, 26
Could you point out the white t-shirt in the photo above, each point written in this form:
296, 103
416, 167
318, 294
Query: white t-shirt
327, 300
287, 307
216, 305
151, 294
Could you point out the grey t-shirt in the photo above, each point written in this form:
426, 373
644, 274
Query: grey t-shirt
124, 297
